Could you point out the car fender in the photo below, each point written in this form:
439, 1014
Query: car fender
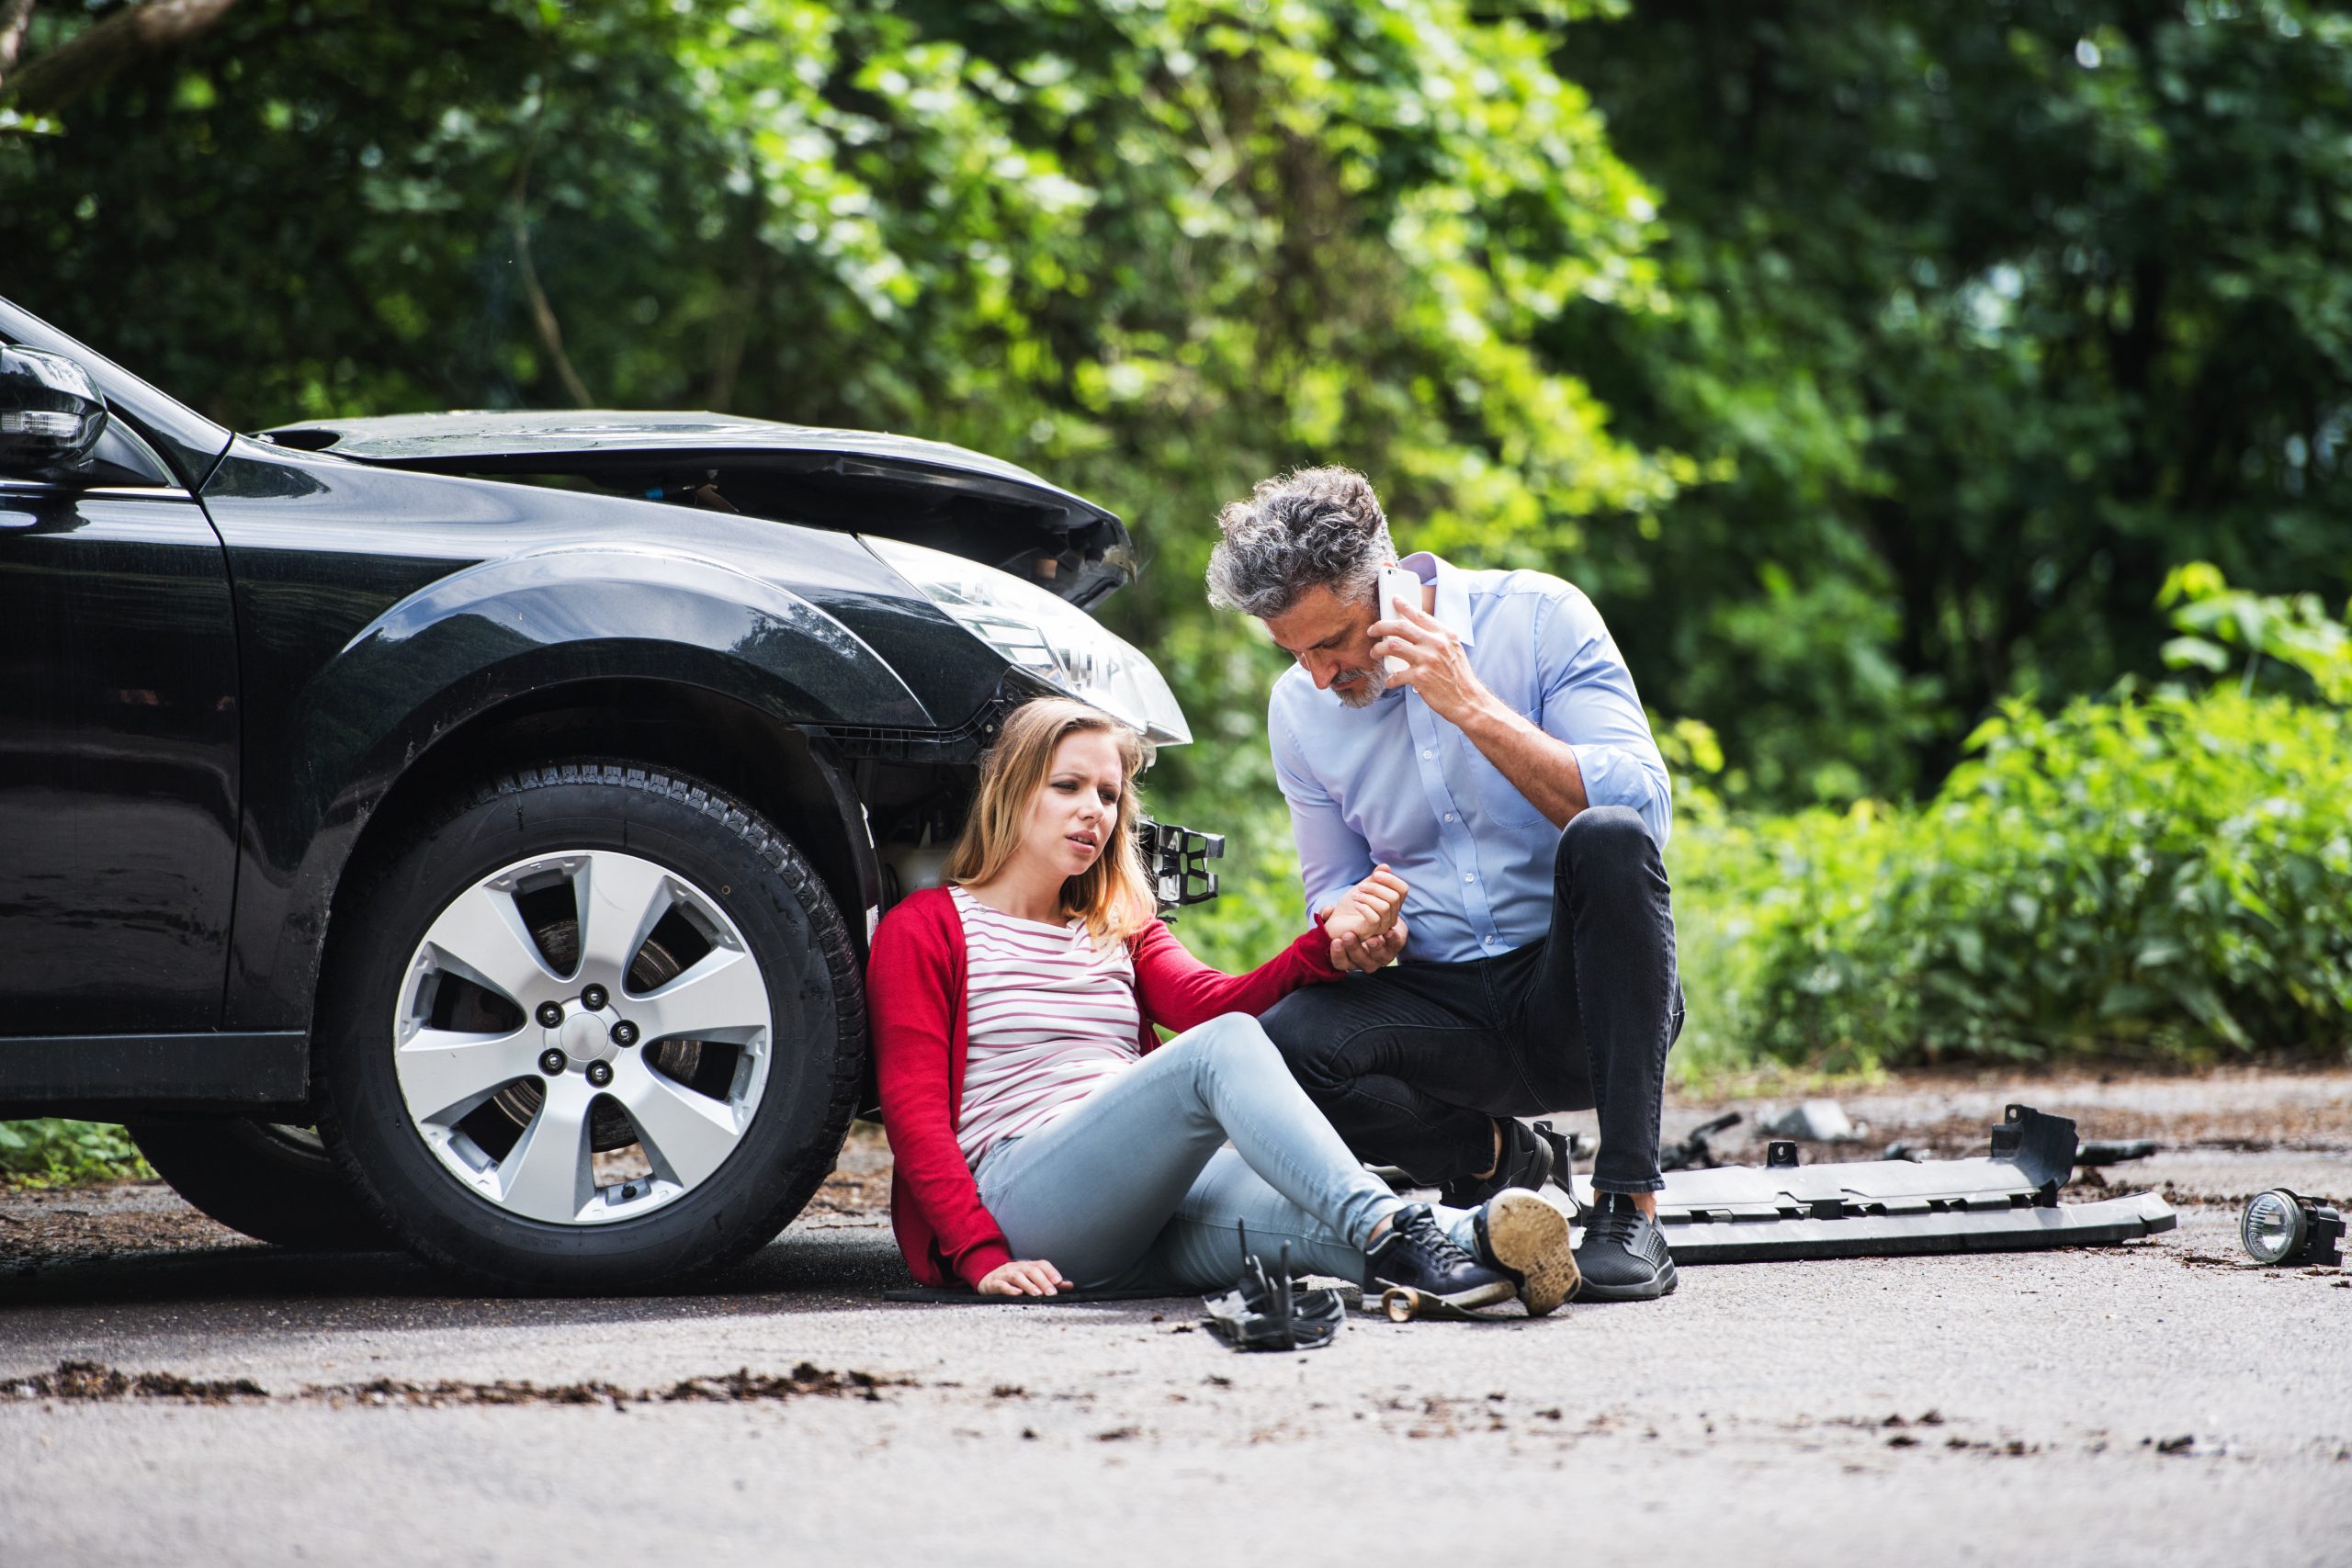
483, 636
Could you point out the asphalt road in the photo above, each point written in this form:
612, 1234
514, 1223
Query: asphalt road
2164, 1402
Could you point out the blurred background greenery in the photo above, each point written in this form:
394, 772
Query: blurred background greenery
1874, 367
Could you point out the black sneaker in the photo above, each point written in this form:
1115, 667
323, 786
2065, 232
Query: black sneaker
1415, 1255
1624, 1256
1527, 1238
1531, 1157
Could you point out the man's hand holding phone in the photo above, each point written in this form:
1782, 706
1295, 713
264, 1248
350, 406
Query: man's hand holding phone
1416, 650
1397, 584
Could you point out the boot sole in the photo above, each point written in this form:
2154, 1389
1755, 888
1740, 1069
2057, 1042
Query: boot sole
1530, 1237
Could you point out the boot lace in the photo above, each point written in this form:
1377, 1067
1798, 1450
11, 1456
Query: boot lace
1418, 1231
1616, 1220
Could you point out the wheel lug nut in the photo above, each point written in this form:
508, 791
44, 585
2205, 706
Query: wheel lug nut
552, 1061
623, 1033
600, 1073
550, 1014
593, 999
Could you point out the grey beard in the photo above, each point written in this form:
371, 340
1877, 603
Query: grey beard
1375, 682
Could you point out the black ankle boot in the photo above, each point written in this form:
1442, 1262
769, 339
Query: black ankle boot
1414, 1254
1624, 1256
1531, 1157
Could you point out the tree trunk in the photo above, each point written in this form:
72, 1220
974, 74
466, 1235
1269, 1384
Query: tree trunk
88, 60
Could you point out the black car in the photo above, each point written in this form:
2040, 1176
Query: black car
508, 797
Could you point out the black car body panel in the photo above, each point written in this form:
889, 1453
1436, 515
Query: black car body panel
227, 660
118, 762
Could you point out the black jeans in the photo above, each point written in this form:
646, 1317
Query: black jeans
1412, 1064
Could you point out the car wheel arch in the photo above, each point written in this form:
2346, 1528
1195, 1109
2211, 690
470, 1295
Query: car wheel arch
726, 741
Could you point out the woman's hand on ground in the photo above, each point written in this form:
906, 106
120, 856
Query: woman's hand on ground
1029, 1277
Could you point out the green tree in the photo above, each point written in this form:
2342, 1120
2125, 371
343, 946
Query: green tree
1992, 312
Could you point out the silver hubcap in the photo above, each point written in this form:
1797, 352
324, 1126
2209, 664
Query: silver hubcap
582, 1037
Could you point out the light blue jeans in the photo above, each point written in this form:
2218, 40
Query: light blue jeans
1134, 1190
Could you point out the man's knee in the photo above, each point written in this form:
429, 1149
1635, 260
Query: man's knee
1304, 1034
1604, 839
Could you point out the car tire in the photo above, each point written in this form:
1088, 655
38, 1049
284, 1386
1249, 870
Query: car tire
273, 1182
463, 934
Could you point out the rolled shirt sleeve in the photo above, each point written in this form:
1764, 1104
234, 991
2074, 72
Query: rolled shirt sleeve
1590, 704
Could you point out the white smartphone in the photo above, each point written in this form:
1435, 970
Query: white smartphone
1397, 583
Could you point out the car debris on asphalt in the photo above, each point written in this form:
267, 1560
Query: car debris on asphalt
1270, 1310
2005, 1201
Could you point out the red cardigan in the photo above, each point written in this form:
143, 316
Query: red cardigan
914, 995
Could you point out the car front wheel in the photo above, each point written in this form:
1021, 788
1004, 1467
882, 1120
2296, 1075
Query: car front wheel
601, 1027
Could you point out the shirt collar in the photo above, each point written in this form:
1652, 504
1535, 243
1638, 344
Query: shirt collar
1452, 604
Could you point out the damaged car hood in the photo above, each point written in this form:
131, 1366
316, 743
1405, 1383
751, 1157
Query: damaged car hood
927, 492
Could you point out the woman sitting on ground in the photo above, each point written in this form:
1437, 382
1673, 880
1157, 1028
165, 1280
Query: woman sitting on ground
1044, 1140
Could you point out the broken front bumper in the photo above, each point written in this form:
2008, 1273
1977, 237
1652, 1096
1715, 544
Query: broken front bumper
2006, 1202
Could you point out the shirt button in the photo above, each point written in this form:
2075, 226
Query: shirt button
1449, 815
1427, 753
1488, 940
1469, 877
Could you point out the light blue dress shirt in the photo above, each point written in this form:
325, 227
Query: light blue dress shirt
1393, 782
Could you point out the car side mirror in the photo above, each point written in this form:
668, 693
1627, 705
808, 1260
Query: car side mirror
51, 415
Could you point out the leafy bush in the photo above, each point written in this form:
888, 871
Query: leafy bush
2161, 873
52, 1152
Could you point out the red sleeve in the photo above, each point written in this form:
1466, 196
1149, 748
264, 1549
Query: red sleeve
1177, 990
912, 997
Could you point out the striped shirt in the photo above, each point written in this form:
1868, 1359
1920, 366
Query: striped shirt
1050, 1018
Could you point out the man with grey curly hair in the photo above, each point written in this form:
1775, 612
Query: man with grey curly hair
1481, 737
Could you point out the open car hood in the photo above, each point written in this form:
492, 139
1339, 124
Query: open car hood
927, 492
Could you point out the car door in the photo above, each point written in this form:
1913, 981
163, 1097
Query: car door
118, 751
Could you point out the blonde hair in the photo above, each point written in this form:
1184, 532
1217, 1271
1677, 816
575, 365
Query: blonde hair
1114, 895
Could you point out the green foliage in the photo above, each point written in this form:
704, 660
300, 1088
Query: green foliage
2215, 619
1990, 313
52, 1152
2156, 873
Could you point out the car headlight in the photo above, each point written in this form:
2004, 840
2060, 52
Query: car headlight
2281, 1226
1050, 637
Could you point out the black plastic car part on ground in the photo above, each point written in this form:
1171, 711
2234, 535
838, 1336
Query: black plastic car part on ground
2006, 1201
298, 730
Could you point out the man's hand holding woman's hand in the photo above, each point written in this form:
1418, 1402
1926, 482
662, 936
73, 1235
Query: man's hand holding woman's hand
1032, 1276
1366, 926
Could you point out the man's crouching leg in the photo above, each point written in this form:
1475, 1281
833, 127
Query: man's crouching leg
1614, 974
1369, 1053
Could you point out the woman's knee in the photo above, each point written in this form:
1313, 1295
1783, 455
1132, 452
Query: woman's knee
1234, 1036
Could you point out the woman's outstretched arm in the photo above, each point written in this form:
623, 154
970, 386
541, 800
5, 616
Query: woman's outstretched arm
1177, 990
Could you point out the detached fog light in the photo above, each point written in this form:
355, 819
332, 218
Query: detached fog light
2280, 1226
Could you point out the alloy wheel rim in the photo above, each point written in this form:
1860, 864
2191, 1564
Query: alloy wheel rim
515, 1071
